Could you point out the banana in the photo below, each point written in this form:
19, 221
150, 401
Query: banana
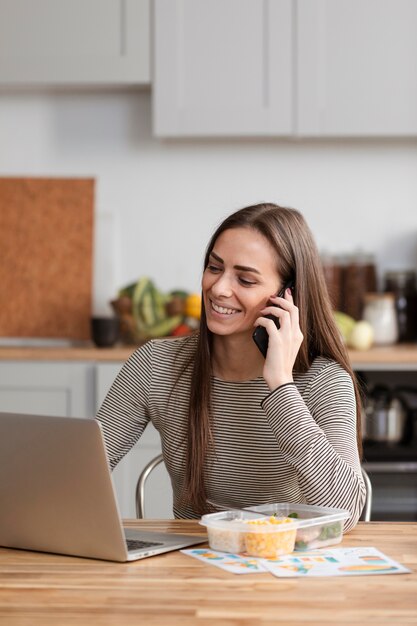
165, 327
148, 304
150, 311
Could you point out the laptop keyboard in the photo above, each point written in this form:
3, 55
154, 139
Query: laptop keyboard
136, 544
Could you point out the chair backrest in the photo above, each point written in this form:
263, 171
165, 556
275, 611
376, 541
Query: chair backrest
149, 467
140, 485
366, 513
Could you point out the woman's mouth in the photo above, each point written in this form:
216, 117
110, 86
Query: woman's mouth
222, 310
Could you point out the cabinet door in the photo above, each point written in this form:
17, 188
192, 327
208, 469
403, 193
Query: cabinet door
81, 41
158, 492
65, 389
223, 67
357, 67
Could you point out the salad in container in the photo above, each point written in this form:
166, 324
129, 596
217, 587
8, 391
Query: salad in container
318, 526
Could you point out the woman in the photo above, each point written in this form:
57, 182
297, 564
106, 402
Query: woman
238, 428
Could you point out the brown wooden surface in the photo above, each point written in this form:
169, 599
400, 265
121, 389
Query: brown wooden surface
46, 239
399, 354
88, 353
174, 589
392, 355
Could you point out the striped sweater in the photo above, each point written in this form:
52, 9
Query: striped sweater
295, 444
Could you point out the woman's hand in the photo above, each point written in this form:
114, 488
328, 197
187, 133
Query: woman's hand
284, 343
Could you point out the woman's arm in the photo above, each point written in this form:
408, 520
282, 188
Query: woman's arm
123, 414
317, 437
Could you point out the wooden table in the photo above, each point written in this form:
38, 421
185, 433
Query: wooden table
174, 589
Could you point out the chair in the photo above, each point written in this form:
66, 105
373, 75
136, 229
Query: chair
140, 485
366, 513
149, 467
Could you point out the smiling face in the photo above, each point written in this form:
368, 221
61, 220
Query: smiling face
239, 280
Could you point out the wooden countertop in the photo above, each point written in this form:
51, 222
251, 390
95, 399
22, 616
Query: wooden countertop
398, 356
176, 590
84, 353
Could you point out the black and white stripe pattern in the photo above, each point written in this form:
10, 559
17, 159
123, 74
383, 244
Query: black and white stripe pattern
296, 444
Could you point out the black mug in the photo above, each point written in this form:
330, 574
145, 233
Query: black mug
105, 331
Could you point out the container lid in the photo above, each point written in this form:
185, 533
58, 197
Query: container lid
237, 521
309, 515
379, 297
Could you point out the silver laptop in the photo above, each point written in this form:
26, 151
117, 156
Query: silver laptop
57, 494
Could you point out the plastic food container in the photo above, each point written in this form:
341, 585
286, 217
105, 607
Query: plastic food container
317, 526
296, 527
250, 533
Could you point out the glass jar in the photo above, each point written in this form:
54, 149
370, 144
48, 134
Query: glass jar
332, 270
359, 277
379, 311
403, 285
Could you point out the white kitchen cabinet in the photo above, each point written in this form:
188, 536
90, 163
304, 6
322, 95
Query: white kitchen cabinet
295, 68
54, 42
356, 67
223, 67
47, 388
158, 493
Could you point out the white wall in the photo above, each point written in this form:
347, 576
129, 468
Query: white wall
158, 202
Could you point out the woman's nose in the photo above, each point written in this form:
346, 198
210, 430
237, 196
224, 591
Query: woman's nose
222, 286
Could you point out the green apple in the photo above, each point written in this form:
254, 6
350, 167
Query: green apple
361, 336
345, 324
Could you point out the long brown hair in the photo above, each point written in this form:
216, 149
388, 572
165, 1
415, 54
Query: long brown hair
299, 260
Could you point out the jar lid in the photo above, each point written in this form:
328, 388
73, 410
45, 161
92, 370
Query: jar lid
374, 296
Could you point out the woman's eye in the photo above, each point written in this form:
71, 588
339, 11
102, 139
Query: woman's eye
245, 282
213, 269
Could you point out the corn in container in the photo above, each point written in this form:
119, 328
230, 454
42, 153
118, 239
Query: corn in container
270, 537
250, 533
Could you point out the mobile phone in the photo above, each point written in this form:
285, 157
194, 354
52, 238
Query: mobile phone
260, 334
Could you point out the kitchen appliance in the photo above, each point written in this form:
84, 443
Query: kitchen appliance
390, 452
386, 416
403, 285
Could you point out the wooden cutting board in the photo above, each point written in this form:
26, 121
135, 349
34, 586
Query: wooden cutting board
46, 243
